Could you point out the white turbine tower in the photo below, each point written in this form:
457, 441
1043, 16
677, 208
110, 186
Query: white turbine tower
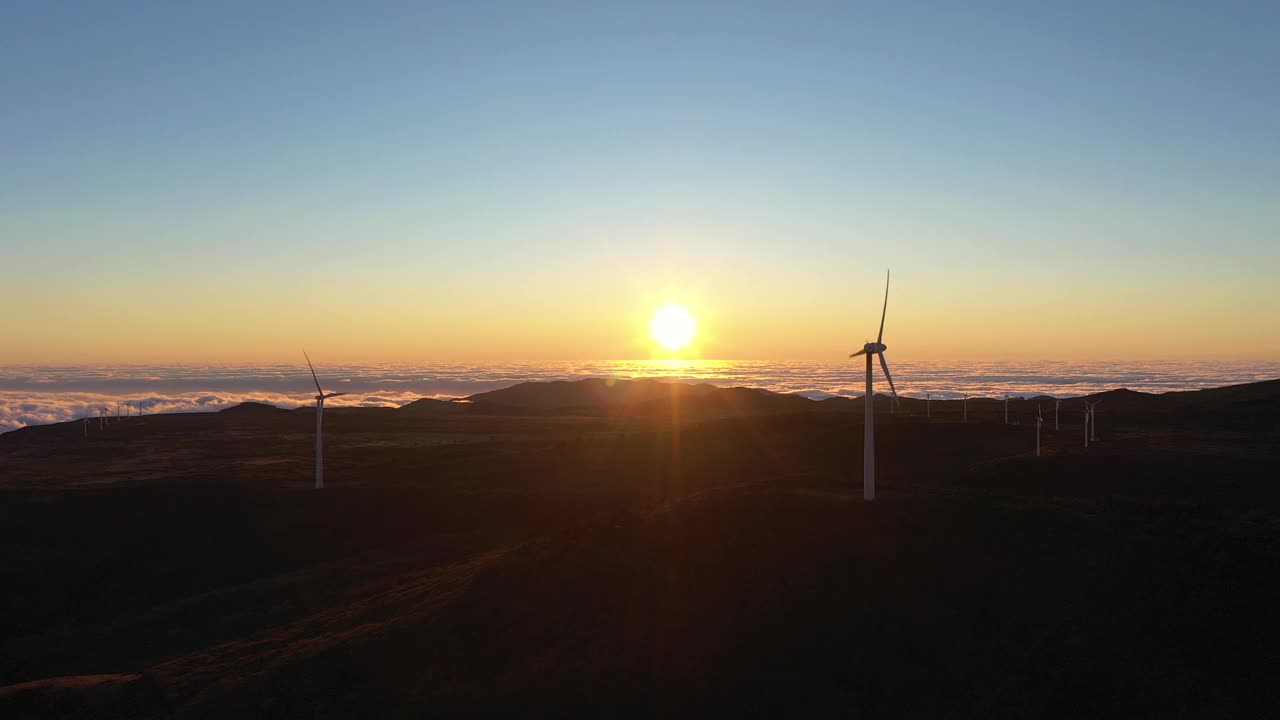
868, 434
1056, 403
321, 396
1039, 422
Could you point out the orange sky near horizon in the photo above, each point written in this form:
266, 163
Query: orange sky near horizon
775, 318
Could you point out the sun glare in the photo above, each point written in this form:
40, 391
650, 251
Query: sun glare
673, 326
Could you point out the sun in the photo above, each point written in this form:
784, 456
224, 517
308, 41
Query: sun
673, 326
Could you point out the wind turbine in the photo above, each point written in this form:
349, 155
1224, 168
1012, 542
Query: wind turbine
1039, 422
1006, 408
1093, 419
928, 405
1056, 403
1086, 423
965, 418
868, 437
321, 396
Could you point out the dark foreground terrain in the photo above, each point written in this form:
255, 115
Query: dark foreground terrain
635, 556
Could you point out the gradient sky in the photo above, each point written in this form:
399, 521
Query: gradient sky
522, 181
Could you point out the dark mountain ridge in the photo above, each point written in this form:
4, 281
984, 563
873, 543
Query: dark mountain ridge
648, 396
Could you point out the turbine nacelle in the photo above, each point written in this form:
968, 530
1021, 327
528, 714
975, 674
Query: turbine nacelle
874, 348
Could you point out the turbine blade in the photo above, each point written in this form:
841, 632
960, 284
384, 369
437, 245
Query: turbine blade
860, 352
885, 309
329, 395
885, 367
313, 372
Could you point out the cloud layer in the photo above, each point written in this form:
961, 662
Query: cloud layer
38, 395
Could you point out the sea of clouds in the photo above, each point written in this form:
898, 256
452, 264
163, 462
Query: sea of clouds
31, 395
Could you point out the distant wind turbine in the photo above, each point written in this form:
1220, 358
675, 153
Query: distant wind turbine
1086, 423
965, 407
1006, 409
868, 434
1093, 419
1056, 403
928, 405
1039, 422
321, 396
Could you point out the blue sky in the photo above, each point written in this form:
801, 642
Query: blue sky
471, 170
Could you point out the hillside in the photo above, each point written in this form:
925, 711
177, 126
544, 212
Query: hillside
1232, 405
591, 392
464, 563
